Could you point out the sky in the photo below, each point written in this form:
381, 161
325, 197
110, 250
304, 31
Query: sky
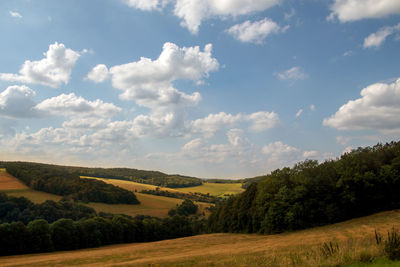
212, 89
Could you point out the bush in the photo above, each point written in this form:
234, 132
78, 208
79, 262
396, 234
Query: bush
392, 245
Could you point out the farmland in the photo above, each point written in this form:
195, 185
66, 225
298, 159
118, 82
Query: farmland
302, 248
214, 189
149, 205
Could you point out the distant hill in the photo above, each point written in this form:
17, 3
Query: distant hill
141, 176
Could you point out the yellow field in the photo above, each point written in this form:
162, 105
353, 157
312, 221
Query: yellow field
2, 170
215, 189
302, 248
33, 195
8, 182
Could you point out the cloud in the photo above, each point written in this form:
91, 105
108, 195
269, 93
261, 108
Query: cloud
376, 39
98, 74
259, 122
67, 105
377, 109
145, 5
149, 82
294, 73
254, 32
298, 114
194, 12
53, 70
17, 102
352, 10
15, 14
312, 107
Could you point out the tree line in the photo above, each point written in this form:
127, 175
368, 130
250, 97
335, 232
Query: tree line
141, 176
359, 183
26, 227
56, 180
196, 196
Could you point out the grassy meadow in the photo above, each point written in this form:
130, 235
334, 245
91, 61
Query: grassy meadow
355, 239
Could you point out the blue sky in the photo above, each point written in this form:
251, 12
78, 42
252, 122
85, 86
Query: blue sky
226, 89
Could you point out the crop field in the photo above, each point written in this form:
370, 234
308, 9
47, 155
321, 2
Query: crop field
215, 189
129, 185
302, 248
8, 182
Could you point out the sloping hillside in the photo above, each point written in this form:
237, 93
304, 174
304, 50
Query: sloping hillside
303, 248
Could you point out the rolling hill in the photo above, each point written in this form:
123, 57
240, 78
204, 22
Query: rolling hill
355, 240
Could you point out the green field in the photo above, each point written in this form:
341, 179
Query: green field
2, 169
355, 239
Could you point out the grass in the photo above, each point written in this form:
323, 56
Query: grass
9, 182
2, 170
355, 240
36, 197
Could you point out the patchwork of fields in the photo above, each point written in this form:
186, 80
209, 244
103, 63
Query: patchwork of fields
214, 189
157, 206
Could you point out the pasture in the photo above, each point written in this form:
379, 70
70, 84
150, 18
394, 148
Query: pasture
355, 238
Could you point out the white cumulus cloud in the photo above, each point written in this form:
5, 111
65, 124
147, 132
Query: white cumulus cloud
17, 102
149, 82
194, 12
259, 122
98, 74
352, 10
377, 109
377, 38
73, 105
254, 32
53, 70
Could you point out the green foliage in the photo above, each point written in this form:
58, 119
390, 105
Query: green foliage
192, 196
362, 182
185, 209
58, 180
392, 245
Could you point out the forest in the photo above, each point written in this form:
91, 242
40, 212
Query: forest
139, 176
361, 182
51, 226
56, 180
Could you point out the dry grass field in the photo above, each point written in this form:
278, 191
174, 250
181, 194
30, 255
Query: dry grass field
8, 182
214, 189
355, 238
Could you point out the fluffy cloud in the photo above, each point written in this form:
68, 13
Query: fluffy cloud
73, 105
351, 10
294, 73
17, 102
259, 122
15, 14
193, 12
254, 32
377, 38
53, 70
98, 74
149, 82
378, 109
